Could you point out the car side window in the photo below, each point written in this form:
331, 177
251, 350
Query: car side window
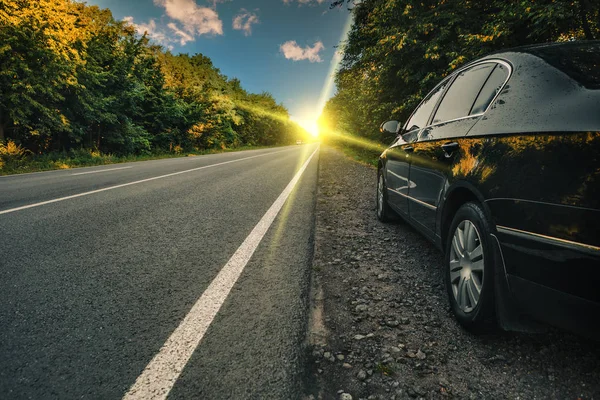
490, 89
421, 115
459, 98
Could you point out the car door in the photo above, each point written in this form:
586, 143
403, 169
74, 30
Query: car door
399, 154
397, 169
438, 145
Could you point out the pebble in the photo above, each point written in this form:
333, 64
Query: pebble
419, 390
340, 357
345, 396
413, 331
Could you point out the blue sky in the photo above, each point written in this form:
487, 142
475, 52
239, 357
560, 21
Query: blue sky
286, 47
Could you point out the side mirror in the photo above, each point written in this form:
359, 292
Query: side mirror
389, 127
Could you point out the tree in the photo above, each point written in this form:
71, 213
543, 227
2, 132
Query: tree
39, 56
398, 50
72, 77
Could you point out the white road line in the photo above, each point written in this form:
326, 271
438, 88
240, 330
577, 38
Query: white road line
100, 170
11, 210
159, 376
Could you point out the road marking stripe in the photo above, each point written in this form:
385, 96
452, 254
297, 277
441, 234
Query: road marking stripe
130, 183
101, 170
159, 376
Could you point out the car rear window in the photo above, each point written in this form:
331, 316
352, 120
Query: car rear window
459, 99
490, 89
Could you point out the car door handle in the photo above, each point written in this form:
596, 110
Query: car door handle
449, 148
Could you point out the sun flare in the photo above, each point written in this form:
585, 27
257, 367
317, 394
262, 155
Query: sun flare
310, 126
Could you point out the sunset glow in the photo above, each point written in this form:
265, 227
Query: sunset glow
309, 125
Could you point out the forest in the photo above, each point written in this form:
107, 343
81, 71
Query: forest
75, 81
398, 50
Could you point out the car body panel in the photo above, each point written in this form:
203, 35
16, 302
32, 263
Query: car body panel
531, 197
431, 163
397, 176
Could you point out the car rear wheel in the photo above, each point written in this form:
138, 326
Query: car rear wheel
384, 212
469, 265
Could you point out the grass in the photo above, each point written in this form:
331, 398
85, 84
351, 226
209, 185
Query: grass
16, 160
366, 155
385, 369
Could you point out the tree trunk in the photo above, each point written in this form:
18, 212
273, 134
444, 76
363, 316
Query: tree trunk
2, 128
583, 14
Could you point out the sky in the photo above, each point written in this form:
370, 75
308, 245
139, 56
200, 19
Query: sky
285, 47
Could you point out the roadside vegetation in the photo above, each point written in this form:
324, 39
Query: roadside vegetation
15, 159
80, 88
397, 51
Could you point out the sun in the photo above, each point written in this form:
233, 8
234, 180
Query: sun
310, 126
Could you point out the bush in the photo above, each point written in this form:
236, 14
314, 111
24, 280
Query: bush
11, 154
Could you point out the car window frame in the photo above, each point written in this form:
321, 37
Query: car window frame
466, 67
448, 79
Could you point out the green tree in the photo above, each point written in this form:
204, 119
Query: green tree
398, 50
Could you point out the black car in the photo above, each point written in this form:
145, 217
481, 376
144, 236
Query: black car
499, 166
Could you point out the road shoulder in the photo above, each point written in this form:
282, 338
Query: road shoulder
381, 327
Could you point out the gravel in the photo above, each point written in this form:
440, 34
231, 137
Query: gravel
379, 300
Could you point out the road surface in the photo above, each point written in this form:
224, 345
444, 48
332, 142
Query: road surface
108, 278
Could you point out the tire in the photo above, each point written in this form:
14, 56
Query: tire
384, 211
469, 268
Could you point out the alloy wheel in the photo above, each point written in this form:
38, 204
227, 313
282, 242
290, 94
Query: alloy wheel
466, 266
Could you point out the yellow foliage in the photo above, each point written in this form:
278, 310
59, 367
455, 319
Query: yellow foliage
65, 121
12, 150
56, 20
199, 129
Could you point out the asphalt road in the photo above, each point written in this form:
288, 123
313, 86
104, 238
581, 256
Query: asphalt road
92, 286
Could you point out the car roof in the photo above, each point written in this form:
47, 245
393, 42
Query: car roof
557, 47
552, 87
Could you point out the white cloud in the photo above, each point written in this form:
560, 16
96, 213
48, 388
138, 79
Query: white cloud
184, 37
304, 1
196, 20
243, 21
152, 31
186, 20
292, 51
